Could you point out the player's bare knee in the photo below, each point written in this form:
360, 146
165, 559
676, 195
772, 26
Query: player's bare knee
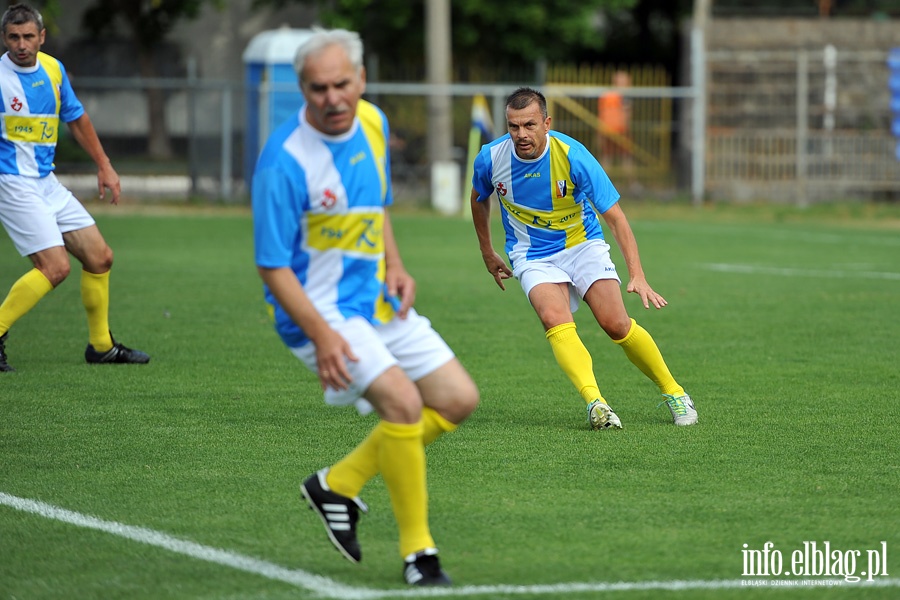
617, 328
399, 409
468, 400
56, 271
551, 317
107, 261
101, 262
463, 398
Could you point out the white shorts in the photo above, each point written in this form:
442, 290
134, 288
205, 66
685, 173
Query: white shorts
36, 211
410, 343
579, 266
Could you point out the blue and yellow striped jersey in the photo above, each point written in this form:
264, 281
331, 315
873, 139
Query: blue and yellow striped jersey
318, 208
549, 203
35, 100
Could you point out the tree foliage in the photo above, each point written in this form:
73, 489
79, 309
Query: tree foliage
148, 20
499, 31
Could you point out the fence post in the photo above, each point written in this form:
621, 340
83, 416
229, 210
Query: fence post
225, 177
802, 125
193, 158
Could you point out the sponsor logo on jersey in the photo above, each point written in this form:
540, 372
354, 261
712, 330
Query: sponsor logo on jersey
360, 234
329, 199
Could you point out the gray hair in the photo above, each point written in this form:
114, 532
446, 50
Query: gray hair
321, 39
19, 14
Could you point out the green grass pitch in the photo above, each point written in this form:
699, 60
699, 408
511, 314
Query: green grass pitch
783, 326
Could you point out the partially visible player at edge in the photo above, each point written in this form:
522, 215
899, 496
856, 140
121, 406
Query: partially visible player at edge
550, 190
43, 218
343, 301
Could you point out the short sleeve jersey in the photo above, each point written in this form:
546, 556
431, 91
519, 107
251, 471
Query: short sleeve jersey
35, 100
318, 208
549, 203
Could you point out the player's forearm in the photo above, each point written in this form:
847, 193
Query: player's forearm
618, 223
628, 246
481, 219
289, 293
83, 130
626, 241
392, 257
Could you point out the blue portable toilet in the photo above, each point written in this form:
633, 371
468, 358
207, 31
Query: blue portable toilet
893, 62
273, 94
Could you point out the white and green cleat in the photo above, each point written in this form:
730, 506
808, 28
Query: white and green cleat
601, 416
682, 409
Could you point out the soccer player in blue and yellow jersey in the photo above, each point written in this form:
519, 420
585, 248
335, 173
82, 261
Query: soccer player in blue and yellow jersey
551, 191
343, 302
43, 219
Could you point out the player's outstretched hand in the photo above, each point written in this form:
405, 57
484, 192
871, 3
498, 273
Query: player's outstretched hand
107, 178
332, 352
496, 266
648, 296
400, 284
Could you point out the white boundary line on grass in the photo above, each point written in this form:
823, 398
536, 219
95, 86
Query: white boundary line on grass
789, 272
328, 588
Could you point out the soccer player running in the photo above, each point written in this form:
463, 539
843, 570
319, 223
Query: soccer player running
550, 190
343, 301
43, 218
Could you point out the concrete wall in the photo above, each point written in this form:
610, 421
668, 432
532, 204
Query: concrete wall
777, 131
786, 34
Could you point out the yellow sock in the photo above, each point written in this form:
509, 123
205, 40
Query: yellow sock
575, 360
433, 425
24, 294
95, 297
401, 457
348, 476
641, 350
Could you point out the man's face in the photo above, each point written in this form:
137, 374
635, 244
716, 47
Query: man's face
23, 43
528, 129
332, 87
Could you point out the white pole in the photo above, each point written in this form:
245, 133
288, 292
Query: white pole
702, 9
445, 173
698, 83
830, 60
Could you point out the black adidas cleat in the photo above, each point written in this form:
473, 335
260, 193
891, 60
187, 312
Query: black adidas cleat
4, 366
338, 513
118, 354
424, 569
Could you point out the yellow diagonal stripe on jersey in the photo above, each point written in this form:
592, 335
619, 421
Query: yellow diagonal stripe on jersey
561, 178
359, 233
561, 219
373, 130
51, 65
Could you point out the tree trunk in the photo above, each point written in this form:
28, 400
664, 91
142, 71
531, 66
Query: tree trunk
159, 144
